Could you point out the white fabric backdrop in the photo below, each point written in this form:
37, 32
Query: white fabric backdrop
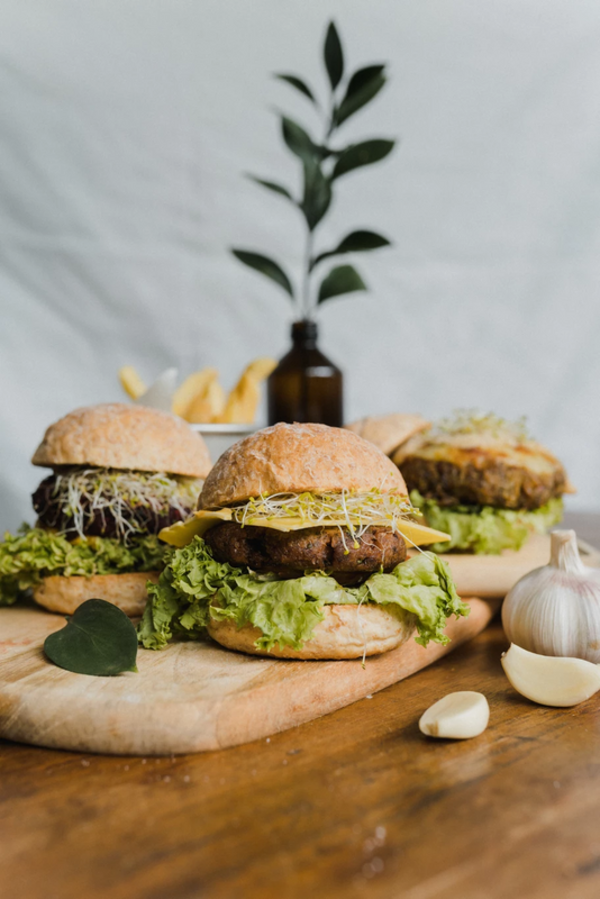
125, 129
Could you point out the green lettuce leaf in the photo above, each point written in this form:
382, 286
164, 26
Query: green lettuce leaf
193, 586
32, 553
485, 529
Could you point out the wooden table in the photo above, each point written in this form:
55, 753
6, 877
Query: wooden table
355, 804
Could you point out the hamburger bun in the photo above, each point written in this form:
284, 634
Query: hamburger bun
346, 632
65, 594
388, 432
118, 435
298, 458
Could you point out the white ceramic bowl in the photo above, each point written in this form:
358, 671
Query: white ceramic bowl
220, 437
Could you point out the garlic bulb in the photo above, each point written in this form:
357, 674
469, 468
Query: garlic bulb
555, 610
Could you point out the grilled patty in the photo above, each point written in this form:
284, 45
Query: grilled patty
490, 484
321, 548
100, 522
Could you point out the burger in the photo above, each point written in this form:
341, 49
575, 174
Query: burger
484, 481
389, 432
299, 550
120, 473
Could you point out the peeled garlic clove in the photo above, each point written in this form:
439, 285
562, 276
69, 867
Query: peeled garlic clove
550, 680
458, 716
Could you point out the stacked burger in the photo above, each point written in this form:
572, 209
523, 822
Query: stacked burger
299, 550
484, 481
120, 473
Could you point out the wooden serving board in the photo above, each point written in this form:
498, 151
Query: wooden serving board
491, 577
190, 697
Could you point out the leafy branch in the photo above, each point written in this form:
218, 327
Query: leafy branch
322, 164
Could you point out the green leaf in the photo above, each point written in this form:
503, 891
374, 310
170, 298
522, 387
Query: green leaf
359, 97
342, 279
334, 56
356, 242
265, 266
277, 188
97, 639
317, 193
298, 140
362, 77
365, 153
299, 84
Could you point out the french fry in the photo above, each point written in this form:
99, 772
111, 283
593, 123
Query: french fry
261, 368
215, 397
131, 382
243, 400
194, 386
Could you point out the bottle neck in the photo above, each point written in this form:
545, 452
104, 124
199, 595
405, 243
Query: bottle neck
304, 334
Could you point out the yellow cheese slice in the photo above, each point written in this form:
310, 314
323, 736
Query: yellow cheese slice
183, 532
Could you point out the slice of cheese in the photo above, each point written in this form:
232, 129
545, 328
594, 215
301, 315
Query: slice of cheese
183, 532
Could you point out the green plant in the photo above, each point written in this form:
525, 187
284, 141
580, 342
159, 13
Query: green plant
322, 165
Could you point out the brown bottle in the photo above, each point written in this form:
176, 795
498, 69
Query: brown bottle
305, 386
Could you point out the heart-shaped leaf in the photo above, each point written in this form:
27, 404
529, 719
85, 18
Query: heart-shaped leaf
342, 279
97, 639
298, 140
317, 193
361, 95
334, 56
265, 266
355, 242
277, 188
299, 84
365, 153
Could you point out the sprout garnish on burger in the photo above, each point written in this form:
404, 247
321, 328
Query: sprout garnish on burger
484, 481
120, 474
299, 550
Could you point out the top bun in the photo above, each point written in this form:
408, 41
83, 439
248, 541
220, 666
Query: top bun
388, 432
294, 458
119, 435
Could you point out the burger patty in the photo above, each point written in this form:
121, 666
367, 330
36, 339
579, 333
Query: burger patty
314, 549
100, 522
491, 484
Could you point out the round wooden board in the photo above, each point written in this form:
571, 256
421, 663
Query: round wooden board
190, 697
491, 577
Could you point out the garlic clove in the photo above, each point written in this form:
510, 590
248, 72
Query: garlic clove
550, 680
458, 716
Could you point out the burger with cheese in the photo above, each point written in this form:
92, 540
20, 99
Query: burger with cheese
299, 550
120, 473
483, 481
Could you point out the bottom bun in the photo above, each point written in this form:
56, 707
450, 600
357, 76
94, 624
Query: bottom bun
346, 632
127, 591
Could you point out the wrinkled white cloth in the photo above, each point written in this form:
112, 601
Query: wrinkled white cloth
126, 128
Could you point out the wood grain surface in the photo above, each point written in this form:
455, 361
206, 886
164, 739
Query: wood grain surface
192, 696
355, 804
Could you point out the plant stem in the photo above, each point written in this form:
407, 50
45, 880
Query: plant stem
306, 279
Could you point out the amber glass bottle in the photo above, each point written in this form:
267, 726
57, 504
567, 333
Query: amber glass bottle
305, 386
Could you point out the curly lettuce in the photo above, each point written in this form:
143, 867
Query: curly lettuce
194, 587
484, 529
33, 553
